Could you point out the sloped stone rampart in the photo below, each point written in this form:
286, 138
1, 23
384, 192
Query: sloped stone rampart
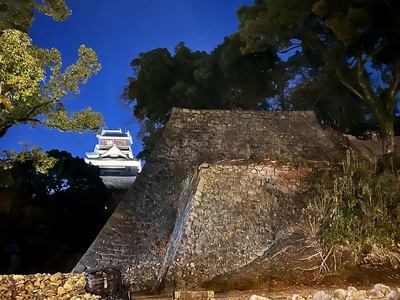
230, 216
136, 237
195, 136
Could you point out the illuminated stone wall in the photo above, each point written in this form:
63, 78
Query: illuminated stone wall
149, 229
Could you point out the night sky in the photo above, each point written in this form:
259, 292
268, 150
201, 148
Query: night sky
118, 32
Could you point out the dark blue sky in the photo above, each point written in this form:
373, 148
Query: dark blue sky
118, 31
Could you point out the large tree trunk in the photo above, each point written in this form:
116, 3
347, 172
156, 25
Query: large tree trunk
387, 132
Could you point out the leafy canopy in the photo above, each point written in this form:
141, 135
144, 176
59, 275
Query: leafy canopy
36, 210
33, 81
19, 14
357, 41
224, 79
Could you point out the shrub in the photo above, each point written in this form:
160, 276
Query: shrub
364, 204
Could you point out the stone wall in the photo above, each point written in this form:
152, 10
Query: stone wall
230, 214
137, 237
194, 136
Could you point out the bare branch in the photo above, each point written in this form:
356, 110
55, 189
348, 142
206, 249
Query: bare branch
395, 84
290, 48
347, 84
384, 44
368, 94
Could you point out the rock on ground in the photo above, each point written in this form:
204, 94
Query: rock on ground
44, 287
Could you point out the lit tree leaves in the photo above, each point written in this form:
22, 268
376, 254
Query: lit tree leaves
33, 81
21, 71
19, 14
32, 98
41, 161
57, 9
82, 121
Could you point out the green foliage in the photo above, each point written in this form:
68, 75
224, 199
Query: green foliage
247, 79
41, 161
19, 14
54, 213
224, 79
390, 162
149, 136
33, 82
333, 104
349, 37
28, 98
364, 206
57, 9
162, 81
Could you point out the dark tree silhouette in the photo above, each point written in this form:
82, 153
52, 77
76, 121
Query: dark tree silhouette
49, 219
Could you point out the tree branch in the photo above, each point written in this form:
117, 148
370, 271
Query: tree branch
27, 117
347, 84
290, 48
361, 81
393, 89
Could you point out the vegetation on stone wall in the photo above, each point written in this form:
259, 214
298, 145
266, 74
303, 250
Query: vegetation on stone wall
360, 207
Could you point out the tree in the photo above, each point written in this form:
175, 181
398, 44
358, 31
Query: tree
224, 79
309, 86
247, 78
33, 82
59, 212
358, 41
162, 81
333, 104
19, 14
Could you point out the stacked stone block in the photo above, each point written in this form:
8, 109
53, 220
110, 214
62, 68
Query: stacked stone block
137, 237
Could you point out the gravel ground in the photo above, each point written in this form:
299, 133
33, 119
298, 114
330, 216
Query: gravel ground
72, 287
44, 287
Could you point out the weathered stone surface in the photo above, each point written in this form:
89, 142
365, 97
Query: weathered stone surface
340, 294
256, 297
321, 295
188, 220
137, 235
352, 293
226, 220
357, 295
381, 288
393, 294
118, 182
39, 286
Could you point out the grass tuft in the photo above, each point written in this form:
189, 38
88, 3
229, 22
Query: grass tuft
360, 208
